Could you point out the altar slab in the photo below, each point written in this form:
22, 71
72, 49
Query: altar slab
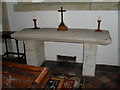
34, 44
72, 35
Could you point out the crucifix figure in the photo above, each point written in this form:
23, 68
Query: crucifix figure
62, 26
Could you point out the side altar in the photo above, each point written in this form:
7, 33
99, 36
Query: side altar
34, 44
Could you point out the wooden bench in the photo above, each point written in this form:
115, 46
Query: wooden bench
24, 76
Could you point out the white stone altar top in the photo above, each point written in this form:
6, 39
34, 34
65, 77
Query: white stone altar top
34, 44
72, 35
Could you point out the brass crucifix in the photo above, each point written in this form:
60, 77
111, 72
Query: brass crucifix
62, 26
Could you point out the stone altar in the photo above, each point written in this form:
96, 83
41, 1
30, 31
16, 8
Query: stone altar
34, 44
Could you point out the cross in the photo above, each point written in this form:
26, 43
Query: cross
61, 13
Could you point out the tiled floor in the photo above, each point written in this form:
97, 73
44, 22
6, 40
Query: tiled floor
105, 76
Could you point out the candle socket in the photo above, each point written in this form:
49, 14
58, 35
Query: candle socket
35, 24
98, 30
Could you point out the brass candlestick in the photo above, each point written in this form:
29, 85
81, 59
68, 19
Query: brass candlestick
98, 30
35, 24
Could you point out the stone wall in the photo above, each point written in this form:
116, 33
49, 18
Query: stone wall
45, 6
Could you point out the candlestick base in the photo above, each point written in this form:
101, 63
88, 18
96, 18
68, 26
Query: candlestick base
98, 30
36, 28
62, 27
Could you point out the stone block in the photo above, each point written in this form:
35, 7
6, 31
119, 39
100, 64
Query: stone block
46, 6
104, 6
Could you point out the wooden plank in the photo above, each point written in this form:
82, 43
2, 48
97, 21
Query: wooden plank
22, 66
24, 76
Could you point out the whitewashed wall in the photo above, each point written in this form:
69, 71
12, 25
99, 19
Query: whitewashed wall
73, 19
0, 28
119, 38
0, 40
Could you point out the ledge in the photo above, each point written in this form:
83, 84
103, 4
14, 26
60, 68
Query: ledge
47, 6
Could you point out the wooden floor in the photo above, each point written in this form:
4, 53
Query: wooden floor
105, 76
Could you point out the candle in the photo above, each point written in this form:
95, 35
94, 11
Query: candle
99, 18
34, 17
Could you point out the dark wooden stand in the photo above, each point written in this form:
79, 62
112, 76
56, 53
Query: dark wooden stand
7, 35
35, 24
98, 30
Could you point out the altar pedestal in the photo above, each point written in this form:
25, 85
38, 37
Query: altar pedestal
34, 52
34, 43
89, 59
